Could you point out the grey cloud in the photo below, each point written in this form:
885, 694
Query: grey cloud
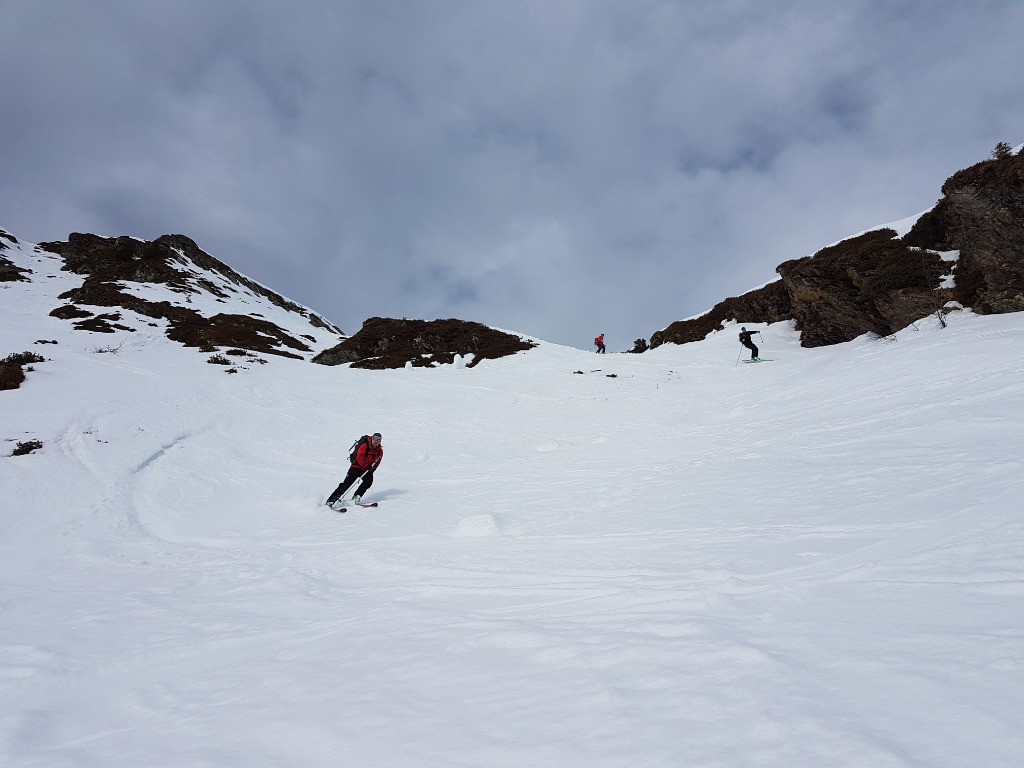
553, 168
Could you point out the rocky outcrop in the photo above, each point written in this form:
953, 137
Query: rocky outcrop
178, 263
873, 283
981, 215
880, 283
389, 343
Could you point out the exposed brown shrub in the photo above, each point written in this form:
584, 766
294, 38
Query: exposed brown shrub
1005, 174
11, 376
24, 358
69, 312
26, 447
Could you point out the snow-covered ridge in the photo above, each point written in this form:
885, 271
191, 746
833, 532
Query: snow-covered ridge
123, 285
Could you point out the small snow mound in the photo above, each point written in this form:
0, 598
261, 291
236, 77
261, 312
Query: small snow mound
478, 526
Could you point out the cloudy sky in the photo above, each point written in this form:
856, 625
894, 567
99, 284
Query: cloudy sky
554, 167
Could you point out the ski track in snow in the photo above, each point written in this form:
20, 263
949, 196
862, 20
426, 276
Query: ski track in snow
817, 562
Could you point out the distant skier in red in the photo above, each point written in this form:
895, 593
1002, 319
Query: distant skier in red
365, 459
599, 343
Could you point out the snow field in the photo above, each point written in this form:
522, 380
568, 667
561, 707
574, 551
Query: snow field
813, 561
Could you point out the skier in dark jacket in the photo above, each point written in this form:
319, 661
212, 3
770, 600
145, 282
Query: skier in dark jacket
746, 342
366, 459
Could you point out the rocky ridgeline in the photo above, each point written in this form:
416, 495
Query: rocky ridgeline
880, 283
877, 282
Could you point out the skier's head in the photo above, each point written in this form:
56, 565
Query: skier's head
375, 437
742, 328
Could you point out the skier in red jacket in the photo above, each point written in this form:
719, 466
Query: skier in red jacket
599, 343
365, 459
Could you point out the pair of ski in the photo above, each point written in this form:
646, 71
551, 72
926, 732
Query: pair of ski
357, 503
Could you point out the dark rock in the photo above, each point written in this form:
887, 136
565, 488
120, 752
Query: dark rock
390, 343
873, 283
11, 376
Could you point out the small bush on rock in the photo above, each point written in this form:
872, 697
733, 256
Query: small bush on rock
24, 358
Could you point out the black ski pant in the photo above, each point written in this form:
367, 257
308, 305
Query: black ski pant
753, 349
354, 473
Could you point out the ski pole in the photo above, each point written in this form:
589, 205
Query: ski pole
354, 486
738, 357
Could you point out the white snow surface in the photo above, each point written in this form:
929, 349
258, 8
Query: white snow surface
668, 559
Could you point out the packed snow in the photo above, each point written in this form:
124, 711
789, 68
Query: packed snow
670, 559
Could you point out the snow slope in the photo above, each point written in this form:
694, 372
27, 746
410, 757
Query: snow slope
668, 559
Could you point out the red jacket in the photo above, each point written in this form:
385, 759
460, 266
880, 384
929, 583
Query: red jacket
368, 456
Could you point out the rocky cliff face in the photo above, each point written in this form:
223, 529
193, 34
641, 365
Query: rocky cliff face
880, 283
981, 215
873, 283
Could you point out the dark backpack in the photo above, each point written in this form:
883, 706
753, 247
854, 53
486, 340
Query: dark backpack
355, 447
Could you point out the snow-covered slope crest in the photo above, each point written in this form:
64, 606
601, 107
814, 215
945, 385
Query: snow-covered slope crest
123, 286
